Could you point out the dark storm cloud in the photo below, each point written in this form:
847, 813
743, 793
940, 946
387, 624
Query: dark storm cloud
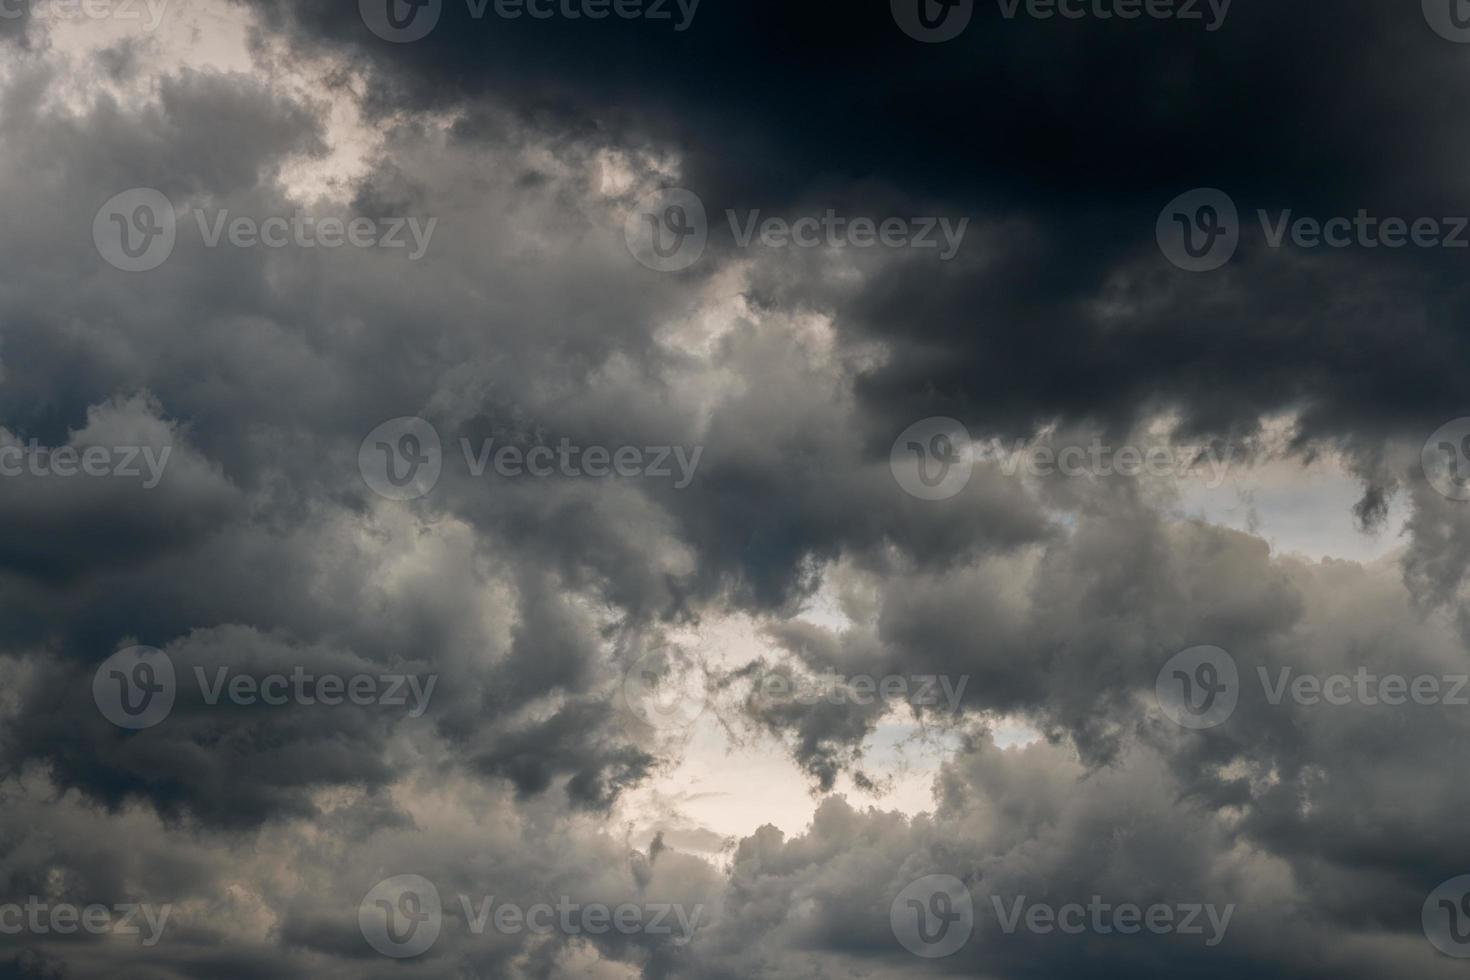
526, 321
1066, 138
258, 529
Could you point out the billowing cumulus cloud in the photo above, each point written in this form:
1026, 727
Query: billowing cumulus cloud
407, 572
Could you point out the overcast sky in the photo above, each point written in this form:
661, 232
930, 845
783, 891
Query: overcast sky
729, 489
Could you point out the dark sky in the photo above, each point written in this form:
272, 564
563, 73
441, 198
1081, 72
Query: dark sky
770, 398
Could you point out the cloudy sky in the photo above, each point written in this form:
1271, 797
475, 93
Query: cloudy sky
707, 489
